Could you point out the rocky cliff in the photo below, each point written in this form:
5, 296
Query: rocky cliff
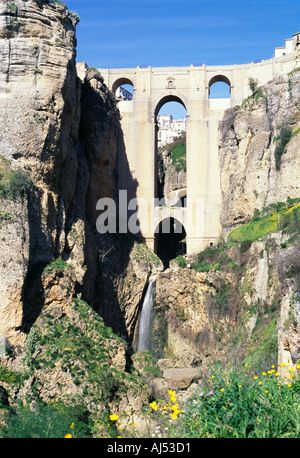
255, 170
64, 133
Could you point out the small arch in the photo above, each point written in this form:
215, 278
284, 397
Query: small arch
127, 88
166, 99
170, 240
222, 83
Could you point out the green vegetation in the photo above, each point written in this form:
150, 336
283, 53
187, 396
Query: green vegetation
58, 265
242, 403
75, 16
257, 93
49, 421
178, 154
181, 261
6, 216
262, 350
283, 139
213, 258
14, 184
82, 347
284, 219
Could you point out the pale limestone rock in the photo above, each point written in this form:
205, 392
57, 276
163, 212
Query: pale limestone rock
249, 178
180, 378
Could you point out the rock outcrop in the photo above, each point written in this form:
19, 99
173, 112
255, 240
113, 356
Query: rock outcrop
249, 136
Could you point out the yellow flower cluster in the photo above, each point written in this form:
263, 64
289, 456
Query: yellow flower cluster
172, 407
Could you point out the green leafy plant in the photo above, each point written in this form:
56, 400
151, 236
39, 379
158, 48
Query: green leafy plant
48, 421
284, 138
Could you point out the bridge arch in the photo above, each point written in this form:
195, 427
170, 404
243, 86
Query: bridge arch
119, 82
219, 79
168, 98
170, 239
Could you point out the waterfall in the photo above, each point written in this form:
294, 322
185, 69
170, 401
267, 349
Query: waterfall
145, 319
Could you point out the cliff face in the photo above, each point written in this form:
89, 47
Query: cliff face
249, 135
38, 96
64, 133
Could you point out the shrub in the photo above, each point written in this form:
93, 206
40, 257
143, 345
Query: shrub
16, 184
178, 154
284, 137
181, 261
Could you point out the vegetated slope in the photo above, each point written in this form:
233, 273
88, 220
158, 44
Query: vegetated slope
218, 300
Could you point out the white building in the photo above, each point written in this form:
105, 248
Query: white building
290, 45
123, 94
169, 128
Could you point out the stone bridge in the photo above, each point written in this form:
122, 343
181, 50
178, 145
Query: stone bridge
190, 86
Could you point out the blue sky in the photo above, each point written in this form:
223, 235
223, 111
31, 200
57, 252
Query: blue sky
162, 33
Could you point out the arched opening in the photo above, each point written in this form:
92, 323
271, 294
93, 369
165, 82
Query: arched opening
219, 87
123, 89
170, 240
170, 150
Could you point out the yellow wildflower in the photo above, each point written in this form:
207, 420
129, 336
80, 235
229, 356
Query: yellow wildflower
68, 436
174, 415
113, 417
260, 383
222, 390
173, 398
267, 391
153, 405
72, 425
263, 373
291, 369
255, 377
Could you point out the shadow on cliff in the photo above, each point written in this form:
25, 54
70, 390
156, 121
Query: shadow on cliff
40, 254
107, 255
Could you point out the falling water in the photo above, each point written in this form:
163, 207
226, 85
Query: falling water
145, 319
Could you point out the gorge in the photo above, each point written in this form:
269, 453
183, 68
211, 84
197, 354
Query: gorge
71, 298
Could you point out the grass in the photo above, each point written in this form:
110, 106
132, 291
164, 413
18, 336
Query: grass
286, 220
